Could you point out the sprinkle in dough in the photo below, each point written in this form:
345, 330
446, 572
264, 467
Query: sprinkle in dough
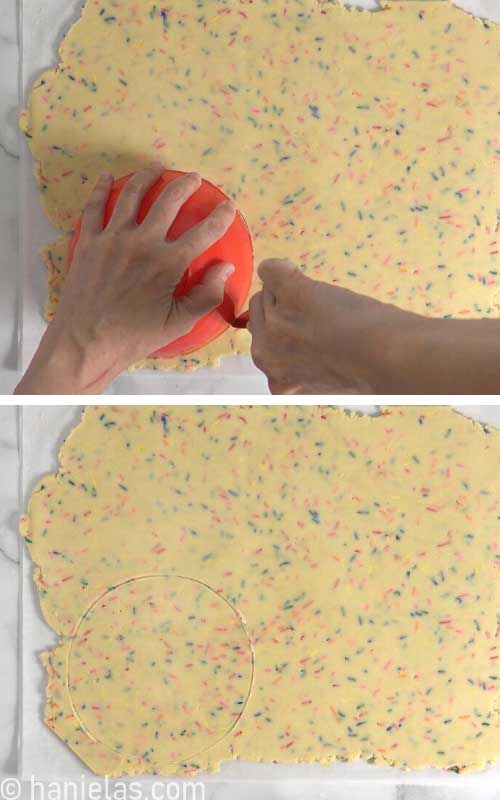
319, 586
363, 145
168, 664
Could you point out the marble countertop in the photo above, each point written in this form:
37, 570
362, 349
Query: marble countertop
9, 165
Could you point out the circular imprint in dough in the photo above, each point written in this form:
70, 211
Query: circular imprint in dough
160, 668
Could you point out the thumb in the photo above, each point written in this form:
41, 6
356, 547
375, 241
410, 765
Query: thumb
279, 274
203, 298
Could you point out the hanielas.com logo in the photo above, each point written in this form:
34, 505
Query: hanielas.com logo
106, 789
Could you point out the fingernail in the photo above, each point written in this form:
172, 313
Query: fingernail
227, 270
230, 205
194, 176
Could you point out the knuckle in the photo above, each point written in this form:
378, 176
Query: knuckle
175, 192
110, 232
184, 251
216, 226
94, 202
110, 238
300, 283
263, 270
131, 189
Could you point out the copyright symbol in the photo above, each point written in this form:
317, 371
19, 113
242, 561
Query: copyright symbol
10, 789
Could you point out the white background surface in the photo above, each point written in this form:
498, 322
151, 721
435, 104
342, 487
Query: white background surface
43, 432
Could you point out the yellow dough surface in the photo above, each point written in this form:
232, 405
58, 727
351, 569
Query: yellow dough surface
363, 145
277, 584
168, 664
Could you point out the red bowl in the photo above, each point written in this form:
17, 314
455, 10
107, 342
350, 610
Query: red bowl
235, 246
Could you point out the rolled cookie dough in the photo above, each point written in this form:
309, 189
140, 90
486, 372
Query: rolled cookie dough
326, 588
363, 145
168, 664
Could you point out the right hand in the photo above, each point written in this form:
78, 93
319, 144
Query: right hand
310, 337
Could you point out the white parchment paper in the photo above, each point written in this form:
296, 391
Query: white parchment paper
45, 756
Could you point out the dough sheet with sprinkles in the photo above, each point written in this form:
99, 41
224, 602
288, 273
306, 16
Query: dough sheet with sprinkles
275, 584
363, 145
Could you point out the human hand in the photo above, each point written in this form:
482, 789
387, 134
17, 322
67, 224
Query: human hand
310, 337
117, 304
